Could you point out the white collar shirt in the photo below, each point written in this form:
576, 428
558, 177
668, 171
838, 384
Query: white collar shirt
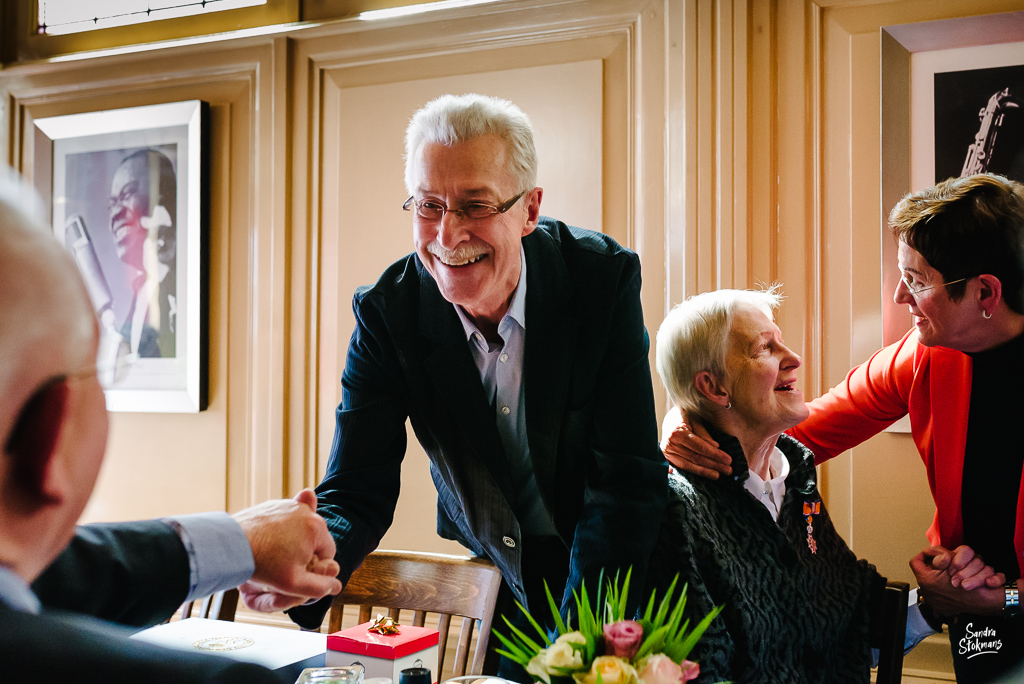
770, 492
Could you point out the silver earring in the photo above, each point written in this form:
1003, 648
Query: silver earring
985, 314
728, 406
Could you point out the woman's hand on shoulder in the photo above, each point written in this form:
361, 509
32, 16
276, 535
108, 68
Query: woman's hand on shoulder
689, 447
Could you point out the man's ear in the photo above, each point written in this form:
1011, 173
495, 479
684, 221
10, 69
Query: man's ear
32, 445
711, 388
532, 203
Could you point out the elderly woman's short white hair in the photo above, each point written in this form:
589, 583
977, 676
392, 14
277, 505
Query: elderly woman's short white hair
694, 337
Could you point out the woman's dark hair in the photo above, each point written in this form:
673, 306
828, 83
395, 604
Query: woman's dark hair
965, 227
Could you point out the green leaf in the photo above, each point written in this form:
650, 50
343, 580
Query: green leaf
617, 597
559, 623
663, 608
679, 650
653, 643
540, 630
521, 637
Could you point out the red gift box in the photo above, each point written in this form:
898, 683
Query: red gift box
384, 655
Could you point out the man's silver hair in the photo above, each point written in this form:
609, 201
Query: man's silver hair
453, 119
694, 337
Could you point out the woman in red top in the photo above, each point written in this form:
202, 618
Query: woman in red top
957, 374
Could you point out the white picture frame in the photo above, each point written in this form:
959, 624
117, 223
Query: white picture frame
129, 198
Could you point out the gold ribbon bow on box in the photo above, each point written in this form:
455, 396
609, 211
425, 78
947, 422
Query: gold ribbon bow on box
384, 624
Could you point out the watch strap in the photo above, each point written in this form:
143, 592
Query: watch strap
1011, 607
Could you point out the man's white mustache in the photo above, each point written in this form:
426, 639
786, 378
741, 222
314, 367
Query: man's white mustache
456, 257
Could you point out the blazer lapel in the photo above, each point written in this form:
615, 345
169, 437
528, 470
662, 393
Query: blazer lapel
449, 365
551, 336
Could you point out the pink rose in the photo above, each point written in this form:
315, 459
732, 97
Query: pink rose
691, 670
623, 639
660, 669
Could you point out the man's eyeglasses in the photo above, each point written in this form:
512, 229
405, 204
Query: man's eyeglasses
915, 288
430, 210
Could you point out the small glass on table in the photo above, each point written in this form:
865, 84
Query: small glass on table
349, 674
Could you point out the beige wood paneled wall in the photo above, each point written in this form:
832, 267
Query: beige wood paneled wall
732, 143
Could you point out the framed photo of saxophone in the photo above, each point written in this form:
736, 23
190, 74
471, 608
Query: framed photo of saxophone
129, 202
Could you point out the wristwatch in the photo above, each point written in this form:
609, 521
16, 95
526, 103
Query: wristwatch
933, 620
1011, 608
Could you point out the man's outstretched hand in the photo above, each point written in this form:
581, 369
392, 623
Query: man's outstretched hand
293, 552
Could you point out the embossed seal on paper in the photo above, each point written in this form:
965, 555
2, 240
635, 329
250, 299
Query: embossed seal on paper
224, 643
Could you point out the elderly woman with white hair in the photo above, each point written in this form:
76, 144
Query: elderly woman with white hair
797, 602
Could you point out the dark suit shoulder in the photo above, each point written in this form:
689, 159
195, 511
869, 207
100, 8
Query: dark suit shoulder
134, 573
64, 647
402, 275
570, 239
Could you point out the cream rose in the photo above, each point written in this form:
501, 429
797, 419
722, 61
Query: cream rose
562, 654
613, 671
559, 654
538, 667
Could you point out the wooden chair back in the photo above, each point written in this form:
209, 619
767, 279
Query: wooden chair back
890, 633
450, 586
219, 606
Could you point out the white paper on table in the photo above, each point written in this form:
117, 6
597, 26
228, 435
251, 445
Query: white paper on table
272, 647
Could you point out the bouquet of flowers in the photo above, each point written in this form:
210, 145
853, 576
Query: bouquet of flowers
607, 648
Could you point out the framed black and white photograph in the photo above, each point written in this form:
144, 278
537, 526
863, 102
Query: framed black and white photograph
128, 191
979, 122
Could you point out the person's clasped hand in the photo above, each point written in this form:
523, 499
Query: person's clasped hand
966, 569
293, 552
689, 447
958, 581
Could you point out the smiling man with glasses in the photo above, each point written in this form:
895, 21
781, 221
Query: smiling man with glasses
515, 344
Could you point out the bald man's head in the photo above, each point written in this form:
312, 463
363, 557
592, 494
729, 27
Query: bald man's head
53, 423
46, 321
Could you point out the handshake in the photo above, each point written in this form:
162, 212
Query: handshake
293, 553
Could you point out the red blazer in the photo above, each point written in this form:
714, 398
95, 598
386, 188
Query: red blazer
933, 385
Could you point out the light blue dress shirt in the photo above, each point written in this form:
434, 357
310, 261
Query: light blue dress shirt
501, 372
15, 592
219, 555
219, 558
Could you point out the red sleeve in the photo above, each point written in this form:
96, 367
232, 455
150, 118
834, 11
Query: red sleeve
873, 396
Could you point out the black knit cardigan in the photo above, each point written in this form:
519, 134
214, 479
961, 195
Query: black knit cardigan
790, 615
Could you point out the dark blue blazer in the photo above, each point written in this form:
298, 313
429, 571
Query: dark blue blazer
133, 573
590, 415
59, 647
